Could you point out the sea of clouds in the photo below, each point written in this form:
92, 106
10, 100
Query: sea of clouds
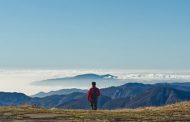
20, 80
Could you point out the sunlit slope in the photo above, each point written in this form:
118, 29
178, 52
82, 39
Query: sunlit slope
175, 112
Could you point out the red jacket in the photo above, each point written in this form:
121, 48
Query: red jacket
90, 93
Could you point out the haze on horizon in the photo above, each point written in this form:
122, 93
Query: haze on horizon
86, 34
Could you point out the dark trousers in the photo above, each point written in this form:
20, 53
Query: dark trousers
94, 104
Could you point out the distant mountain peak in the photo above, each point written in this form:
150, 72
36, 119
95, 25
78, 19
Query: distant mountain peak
89, 77
94, 76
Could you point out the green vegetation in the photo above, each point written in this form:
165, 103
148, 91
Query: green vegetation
175, 112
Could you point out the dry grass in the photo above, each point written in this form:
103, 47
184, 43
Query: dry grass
175, 112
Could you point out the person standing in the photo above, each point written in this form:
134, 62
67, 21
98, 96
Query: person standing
93, 95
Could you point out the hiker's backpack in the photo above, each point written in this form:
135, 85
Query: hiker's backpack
94, 94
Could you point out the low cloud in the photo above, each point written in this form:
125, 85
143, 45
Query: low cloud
20, 80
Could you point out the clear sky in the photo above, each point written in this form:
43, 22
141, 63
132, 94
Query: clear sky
95, 34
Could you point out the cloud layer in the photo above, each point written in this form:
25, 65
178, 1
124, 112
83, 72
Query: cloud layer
20, 80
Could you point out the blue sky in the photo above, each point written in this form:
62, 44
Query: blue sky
95, 34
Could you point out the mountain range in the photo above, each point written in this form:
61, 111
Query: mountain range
84, 80
59, 92
129, 95
83, 77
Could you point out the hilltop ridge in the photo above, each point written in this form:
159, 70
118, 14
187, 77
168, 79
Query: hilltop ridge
173, 112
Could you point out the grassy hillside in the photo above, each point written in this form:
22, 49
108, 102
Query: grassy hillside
175, 112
